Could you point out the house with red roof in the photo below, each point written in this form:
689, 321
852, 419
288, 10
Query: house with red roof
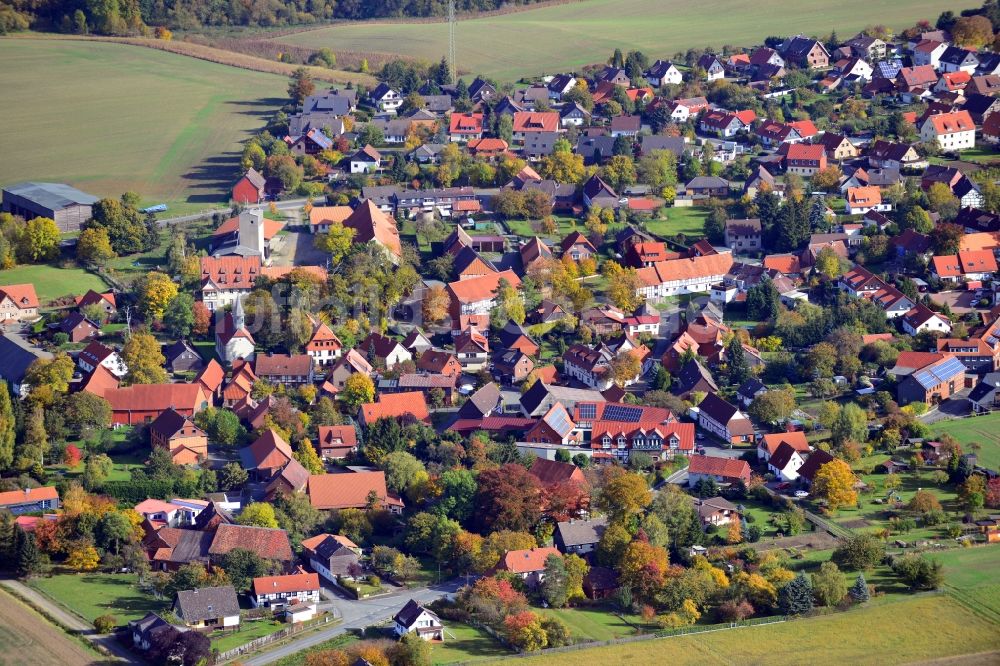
466, 126
805, 159
371, 225
30, 500
186, 443
472, 300
350, 490
726, 124
106, 300
722, 470
278, 592
528, 565
249, 189
18, 302
952, 131
323, 346
143, 403
577, 246
406, 405
967, 265
335, 442
768, 444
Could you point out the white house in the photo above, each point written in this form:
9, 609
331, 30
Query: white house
921, 318
277, 592
683, 276
861, 200
386, 99
663, 72
724, 420
928, 52
95, 354
366, 160
953, 131
785, 462
415, 618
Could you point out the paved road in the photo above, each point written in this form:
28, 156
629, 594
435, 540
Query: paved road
356, 615
69, 621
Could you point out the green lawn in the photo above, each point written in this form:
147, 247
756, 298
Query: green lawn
107, 118
299, 658
52, 282
248, 631
592, 624
971, 576
464, 643
566, 36
899, 631
689, 221
93, 594
979, 435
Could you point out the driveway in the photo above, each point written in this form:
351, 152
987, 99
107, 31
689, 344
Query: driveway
356, 615
296, 249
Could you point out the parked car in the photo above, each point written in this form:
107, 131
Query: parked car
801, 493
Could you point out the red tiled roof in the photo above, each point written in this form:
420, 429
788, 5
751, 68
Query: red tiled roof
13, 497
526, 561
950, 123
716, 466
536, 121
347, 490
370, 223
550, 472
466, 123
232, 225
481, 288
796, 440
156, 397
23, 295
270, 544
396, 405
300, 582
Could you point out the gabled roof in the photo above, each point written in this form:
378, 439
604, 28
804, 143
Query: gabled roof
347, 490
550, 472
156, 397
22, 295
371, 224
731, 468
581, 532
270, 544
526, 561
268, 451
717, 409
795, 439
396, 405
816, 459
300, 582
481, 288
207, 603
410, 613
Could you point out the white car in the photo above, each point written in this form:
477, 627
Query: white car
801, 493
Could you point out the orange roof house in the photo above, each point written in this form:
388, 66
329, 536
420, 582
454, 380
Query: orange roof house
142, 403
535, 121
396, 406
466, 125
321, 217
371, 224
524, 562
349, 490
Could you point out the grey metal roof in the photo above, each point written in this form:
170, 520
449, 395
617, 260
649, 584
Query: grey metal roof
581, 532
207, 603
54, 196
16, 355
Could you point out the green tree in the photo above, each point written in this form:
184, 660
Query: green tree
27, 557
919, 572
96, 470
114, 530
555, 585
739, 367
242, 566
296, 515
306, 454
859, 591
233, 476
828, 584
796, 597
258, 514
336, 241
862, 552
300, 86
178, 316
402, 471
851, 425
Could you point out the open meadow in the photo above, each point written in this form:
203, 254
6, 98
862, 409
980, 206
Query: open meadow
52, 282
979, 435
567, 36
911, 629
107, 118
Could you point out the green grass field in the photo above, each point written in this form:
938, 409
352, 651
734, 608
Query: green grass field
979, 435
567, 36
111, 117
248, 631
970, 576
91, 595
51, 282
912, 629
592, 624
689, 221
464, 643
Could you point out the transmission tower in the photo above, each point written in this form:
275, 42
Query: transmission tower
451, 42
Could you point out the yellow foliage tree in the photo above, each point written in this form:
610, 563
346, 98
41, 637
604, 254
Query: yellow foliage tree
83, 558
157, 290
834, 483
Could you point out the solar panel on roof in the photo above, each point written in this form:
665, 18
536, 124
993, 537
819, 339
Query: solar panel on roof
622, 413
559, 420
931, 377
588, 411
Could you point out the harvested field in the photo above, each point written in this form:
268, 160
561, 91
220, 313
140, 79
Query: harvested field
28, 638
